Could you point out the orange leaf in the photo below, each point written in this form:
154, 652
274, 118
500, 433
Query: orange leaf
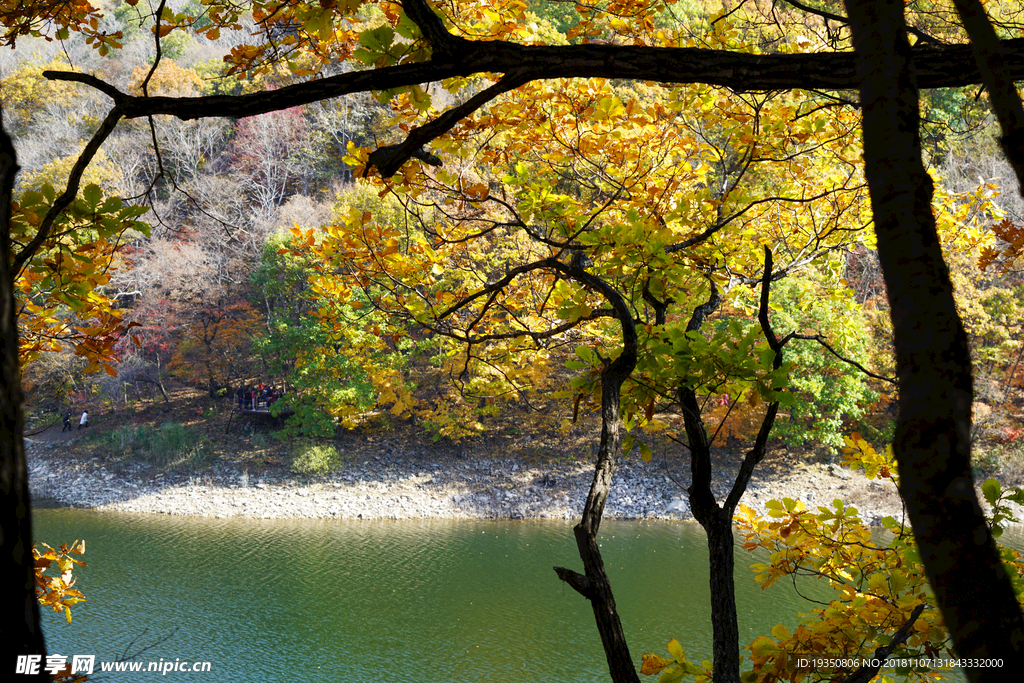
653, 664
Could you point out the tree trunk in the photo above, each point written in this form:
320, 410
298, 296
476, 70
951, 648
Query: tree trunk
717, 524
932, 441
716, 519
594, 584
21, 632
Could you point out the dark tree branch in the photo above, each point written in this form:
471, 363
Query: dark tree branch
21, 630
389, 159
22, 257
756, 454
597, 585
866, 673
159, 49
918, 33
937, 67
578, 582
441, 41
933, 360
821, 340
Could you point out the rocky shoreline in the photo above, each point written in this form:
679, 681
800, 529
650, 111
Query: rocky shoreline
396, 487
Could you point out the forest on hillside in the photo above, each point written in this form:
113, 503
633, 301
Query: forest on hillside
449, 211
225, 282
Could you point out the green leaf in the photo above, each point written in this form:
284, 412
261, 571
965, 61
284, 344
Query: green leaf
407, 28
133, 211
111, 205
671, 675
645, 452
991, 490
92, 194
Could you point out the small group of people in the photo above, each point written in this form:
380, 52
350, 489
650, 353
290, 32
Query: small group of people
256, 397
82, 422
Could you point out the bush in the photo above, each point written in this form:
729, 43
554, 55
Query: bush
314, 458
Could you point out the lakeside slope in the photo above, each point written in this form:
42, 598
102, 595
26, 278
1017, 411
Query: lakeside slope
392, 484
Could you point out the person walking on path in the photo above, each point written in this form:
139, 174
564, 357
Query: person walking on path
67, 423
84, 422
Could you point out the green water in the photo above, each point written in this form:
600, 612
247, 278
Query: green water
431, 601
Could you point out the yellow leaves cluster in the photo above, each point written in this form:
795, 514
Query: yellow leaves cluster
57, 591
101, 171
962, 218
625, 171
26, 93
676, 668
305, 36
876, 588
169, 80
858, 454
493, 20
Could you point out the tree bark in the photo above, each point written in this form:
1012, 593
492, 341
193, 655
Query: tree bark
932, 441
20, 630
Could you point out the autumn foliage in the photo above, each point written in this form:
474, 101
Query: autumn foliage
518, 231
57, 590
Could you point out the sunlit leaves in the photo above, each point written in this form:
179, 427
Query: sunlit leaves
49, 20
859, 454
1011, 246
57, 590
876, 587
61, 287
675, 669
998, 497
732, 360
877, 584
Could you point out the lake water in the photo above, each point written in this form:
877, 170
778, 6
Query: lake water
432, 600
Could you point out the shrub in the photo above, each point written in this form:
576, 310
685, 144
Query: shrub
314, 458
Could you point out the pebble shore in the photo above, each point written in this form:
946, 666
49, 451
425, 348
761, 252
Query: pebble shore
394, 487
